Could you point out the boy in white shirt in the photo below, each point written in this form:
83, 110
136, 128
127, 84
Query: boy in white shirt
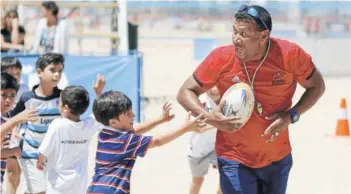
201, 152
65, 146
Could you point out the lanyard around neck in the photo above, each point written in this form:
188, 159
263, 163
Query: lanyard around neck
251, 82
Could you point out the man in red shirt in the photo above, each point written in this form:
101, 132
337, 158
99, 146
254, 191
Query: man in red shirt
255, 158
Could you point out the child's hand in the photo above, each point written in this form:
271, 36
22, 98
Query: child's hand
16, 134
198, 124
99, 84
166, 115
27, 115
5, 143
41, 162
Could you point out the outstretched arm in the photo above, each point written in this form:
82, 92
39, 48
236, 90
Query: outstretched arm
26, 115
189, 125
150, 124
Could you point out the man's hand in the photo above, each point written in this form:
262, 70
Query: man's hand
281, 121
166, 113
221, 122
99, 84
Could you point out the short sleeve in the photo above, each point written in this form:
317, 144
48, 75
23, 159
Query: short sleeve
93, 124
48, 144
302, 65
207, 73
114, 146
139, 145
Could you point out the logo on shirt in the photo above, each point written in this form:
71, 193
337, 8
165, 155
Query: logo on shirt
278, 78
46, 121
236, 79
74, 141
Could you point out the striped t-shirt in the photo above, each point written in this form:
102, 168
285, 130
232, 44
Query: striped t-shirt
3, 160
115, 157
34, 132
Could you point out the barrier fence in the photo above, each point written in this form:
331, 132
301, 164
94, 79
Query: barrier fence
122, 73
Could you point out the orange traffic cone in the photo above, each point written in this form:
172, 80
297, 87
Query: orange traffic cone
342, 127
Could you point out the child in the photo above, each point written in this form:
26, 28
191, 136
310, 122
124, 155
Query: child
201, 152
67, 162
65, 146
9, 88
45, 98
119, 144
13, 66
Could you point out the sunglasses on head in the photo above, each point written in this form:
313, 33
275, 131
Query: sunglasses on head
252, 12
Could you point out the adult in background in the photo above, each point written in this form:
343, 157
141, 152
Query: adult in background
51, 34
12, 34
255, 158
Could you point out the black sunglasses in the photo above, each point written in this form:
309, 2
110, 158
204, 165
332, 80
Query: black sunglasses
252, 12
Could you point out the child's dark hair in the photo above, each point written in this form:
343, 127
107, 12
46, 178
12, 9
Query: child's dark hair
8, 82
110, 105
51, 5
49, 58
10, 62
76, 98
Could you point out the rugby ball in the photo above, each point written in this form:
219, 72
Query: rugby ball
239, 101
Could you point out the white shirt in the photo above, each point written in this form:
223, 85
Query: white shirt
66, 147
61, 36
201, 144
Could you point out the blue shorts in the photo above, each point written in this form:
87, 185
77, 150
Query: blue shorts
236, 178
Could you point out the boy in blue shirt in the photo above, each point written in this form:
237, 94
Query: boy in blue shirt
119, 144
44, 97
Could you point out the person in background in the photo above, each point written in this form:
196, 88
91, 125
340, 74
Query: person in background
12, 34
201, 150
51, 33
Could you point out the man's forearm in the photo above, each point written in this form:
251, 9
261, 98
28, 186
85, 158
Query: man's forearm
308, 99
190, 101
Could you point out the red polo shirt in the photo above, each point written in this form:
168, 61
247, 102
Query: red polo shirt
274, 86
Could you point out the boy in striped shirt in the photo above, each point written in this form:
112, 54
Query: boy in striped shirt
119, 144
9, 88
